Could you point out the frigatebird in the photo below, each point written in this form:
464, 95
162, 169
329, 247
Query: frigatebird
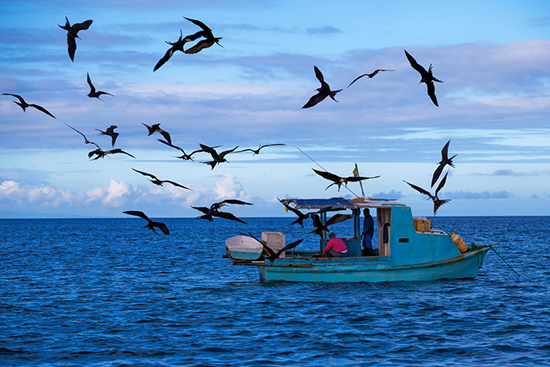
445, 160
93, 93
272, 255
24, 104
155, 128
301, 216
257, 151
156, 181
216, 157
337, 180
110, 132
176, 46
213, 211
86, 141
437, 201
206, 33
371, 75
72, 34
102, 153
185, 156
150, 224
427, 77
323, 92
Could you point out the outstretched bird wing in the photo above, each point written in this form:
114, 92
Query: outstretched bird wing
431, 92
177, 184
89, 80
146, 174
327, 175
138, 214
371, 75
234, 201
227, 215
121, 151
419, 189
315, 99
416, 66
82, 26
337, 218
441, 184
40, 108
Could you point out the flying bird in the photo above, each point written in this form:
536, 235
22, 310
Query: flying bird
93, 93
156, 181
427, 77
24, 104
86, 141
155, 128
338, 218
272, 255
206, 33
213, 211
185, 156
110, 132
150, 224
371, 75
72, 34
216, 157
301, 216
445, 160
176, 46
323, 92
319, 226
437, 201
100, 153
337, 180
257, 151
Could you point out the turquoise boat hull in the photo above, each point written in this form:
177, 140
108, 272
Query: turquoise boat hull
371, 269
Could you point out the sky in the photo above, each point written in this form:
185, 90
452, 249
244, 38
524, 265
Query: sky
494, 105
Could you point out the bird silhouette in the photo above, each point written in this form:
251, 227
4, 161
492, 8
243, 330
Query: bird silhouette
206, 33
110, 132
213, 211
93, 93
427, 77
371, 75
272, 255
337, 180
100, 153
323, 92
150, 224
338, 218
24, 105
86, 141
216, 157
257, 151
318, 224
301, 216
72, 34
156, 181
185, 156
437, 201
155, 128
445, 160
176, 46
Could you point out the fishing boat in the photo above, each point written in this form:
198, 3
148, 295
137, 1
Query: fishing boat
408, 249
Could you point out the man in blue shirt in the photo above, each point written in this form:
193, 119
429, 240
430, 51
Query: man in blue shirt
368, 230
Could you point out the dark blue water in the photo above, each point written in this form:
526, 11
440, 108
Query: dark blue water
105, 292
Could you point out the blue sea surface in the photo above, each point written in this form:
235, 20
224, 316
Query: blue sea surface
106, 292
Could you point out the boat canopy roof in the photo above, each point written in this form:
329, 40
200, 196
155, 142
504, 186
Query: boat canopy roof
341, 203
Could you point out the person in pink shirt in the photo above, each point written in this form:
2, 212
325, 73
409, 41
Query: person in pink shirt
335, 247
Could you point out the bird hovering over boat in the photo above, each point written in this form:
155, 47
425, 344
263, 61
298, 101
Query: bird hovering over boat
185, 156
445, 160
213, 211
72, 34
155, 128
301, 216
176, 46
337, 180
24, 104
93, 93
257, 151
110, 132
86, 141
100, 153
427, 77
206, 33
319, 226
323, 92
156, 181
150, 224
371, 75
437, 201
272, 255
216, 157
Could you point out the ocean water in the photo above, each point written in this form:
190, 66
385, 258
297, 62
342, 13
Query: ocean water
106, 292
